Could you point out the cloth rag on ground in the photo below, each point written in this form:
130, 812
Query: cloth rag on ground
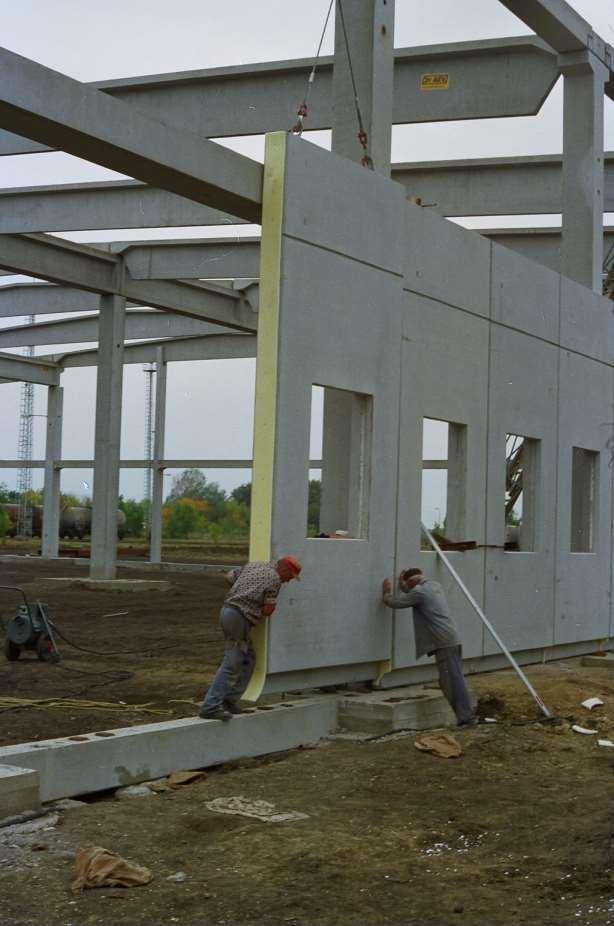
98, 867
442, 745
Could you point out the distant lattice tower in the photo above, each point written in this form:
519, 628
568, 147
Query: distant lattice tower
149, 370
24, 451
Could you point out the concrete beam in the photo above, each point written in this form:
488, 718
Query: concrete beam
59, 112
22, 299
210, 347
93, 270
494, 186
480, 186
114, 204
541, 245
258, 98
142, 464
212, 259
140, 323
222, 260
14, 368
562, 27
555, 21
134, 754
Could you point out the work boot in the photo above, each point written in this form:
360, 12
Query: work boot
233, 707
215, 713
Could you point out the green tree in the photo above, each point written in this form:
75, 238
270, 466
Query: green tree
5, 523
191, 483
7, 495
135, 515
313, 507
235, 523
184, 517
242, 494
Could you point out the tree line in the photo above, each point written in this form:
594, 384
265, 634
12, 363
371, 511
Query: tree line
195, 508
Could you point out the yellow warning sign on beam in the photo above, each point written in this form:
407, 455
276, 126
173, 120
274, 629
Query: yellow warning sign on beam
435, 82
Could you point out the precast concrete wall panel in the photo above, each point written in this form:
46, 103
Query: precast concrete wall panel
525, 295
583, 579
446, 262
338, 324
444, 375
523, 401
365, 292
587, 322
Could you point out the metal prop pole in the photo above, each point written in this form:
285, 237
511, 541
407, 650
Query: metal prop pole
525, 681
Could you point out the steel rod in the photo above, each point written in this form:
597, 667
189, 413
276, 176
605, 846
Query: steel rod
525, 681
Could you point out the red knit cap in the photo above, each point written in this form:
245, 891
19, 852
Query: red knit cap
292, 564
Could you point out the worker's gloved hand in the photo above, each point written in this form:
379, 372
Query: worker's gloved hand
386, 587
267, 608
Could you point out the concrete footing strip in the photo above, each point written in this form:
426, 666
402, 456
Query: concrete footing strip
109, 759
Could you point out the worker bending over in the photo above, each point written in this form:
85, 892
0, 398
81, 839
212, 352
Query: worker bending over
435, 634
253, 596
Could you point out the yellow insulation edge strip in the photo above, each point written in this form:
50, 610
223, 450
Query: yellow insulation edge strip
267, 352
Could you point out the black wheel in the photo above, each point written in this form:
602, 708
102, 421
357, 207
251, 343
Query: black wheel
11, 650
44, 648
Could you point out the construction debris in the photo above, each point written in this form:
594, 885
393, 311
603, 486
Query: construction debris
74, 704
98, 867
578, 729
591, 703
259, 810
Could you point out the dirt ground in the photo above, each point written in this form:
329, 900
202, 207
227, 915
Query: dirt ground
171, 641
517, 830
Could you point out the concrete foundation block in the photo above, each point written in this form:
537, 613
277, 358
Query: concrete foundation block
19, 790
114, 758
599, 662
114, 585
410, 708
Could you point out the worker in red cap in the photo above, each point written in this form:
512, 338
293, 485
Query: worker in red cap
253, 596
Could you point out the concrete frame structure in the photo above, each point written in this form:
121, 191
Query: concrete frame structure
408, 290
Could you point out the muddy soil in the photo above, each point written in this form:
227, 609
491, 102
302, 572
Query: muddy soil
517, 830
166, 647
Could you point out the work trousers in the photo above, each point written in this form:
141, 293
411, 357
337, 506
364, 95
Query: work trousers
235, 671
452, 682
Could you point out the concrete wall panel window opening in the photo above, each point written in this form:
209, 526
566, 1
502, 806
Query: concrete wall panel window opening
521, 493
444, 476
584, 500
338, 507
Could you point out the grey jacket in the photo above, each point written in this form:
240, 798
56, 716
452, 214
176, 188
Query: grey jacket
433, 627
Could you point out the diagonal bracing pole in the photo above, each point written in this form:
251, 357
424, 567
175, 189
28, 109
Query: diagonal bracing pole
525, 681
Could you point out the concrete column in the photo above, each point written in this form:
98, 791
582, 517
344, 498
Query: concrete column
583, 172
108, 436
51, 491
370, 29
457, 480
157, 492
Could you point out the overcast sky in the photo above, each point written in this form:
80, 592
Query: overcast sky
120, 38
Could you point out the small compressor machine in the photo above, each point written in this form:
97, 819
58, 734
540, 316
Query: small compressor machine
30, 628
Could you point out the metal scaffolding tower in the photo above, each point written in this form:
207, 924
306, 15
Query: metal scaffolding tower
24, 451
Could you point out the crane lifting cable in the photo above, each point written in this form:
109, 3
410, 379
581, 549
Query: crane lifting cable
362, 136
303, 109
